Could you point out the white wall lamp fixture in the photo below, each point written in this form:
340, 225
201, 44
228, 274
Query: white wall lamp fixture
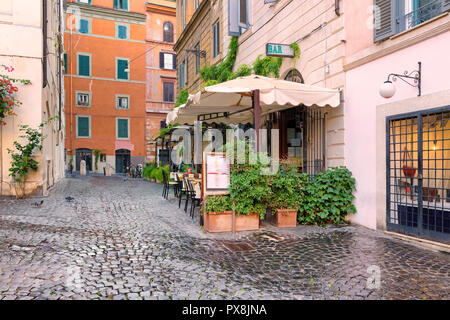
413, 78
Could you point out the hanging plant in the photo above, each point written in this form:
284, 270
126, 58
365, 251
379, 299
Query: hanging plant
8, 91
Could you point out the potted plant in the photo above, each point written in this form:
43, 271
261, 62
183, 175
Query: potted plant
286, 190
219, 214
249, 190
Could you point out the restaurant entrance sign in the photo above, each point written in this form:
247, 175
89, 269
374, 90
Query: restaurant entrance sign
279, 50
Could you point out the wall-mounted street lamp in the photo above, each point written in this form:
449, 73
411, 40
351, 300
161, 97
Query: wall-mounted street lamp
387, 89
199, 53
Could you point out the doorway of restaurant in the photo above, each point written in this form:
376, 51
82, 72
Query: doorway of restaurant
418, 174
302, 139
123, 160
86, 155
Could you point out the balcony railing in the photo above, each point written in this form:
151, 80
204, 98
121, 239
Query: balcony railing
422, 14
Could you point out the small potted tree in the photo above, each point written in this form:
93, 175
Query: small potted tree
220, 214
286, 190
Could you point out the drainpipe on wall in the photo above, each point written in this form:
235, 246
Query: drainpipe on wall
44, 51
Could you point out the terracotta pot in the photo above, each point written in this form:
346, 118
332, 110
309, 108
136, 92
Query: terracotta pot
245, 223
286, 218
219, 221
223, 222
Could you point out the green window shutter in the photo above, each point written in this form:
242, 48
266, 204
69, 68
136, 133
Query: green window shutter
385, 17
84, 26
121, 66
65, 62
125, 4
83, 126
122, 30
122, 128
84, 65
116, 4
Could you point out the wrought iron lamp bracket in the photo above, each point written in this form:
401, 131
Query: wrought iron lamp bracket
199, 53
413, 78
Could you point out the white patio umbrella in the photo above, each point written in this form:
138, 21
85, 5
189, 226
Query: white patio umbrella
234, 101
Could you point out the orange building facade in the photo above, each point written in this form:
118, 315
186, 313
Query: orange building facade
160, 68
105, 83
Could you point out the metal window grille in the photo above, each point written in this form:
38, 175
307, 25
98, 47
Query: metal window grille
418, 174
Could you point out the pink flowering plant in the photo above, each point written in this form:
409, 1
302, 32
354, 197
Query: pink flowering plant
8, 90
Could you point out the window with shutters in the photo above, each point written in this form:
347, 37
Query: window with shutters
82, 99
182, 74
395, 16
85, 1
167, 60
122, 128
84, 26
216, 41
168, 32
83, 126
238, 17
122, 31
121, 4
122, 69
84, 64
122, 102
168, 92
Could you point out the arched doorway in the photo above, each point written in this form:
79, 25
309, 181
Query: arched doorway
295, 76
86, 155
123, 160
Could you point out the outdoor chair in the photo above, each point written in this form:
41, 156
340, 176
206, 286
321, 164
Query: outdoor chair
182, 190
188, 193
167, 185
195, 200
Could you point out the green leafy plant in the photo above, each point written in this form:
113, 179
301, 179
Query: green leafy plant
218, 204
164, 131
268, 66
286, 189
8, 90
149, 167
328, 197
182, 97
23, 156
97, 156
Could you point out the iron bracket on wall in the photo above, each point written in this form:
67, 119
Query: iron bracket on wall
415, 76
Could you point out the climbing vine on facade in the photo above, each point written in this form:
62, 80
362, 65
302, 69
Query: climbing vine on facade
267, 66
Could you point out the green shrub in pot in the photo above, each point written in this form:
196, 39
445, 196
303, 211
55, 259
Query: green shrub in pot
286, 189
218, 204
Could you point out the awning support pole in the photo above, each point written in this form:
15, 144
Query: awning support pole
257, 116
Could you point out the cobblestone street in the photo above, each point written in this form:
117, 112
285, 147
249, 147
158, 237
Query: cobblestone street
119, 239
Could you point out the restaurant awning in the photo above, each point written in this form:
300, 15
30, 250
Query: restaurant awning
232, 101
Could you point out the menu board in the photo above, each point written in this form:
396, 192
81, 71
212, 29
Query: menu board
217, 172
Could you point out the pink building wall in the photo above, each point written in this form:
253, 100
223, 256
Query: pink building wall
362, 99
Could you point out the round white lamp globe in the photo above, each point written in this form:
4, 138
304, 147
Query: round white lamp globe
387, 90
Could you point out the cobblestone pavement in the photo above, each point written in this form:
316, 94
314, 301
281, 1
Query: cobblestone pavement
118, 239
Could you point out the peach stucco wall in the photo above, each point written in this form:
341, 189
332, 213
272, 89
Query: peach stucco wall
362, 99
